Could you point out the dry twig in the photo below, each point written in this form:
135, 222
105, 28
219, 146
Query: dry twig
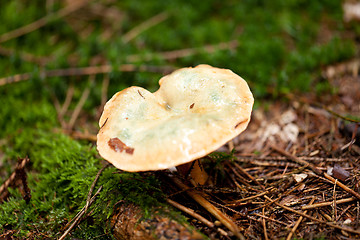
292, 232
323, 204
80, 104
343, 186
170, 55
313, 218
133, 33
91, 70
295, 159
209, 207
191, 213
90, 199
264, 225
18, 174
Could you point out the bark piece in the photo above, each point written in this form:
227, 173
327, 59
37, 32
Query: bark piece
129, 224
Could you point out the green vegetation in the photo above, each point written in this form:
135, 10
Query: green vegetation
282, 46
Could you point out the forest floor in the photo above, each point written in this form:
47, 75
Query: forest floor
294, 172
304, 181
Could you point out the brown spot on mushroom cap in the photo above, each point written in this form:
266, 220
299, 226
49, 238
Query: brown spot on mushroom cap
165, 136
118, 146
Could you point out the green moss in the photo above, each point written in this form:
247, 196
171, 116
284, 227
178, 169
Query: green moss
62, 171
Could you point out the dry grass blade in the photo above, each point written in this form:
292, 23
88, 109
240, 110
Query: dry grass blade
80, 104
90, 199
104, 89
170, 55
80, 214
264, 225
68, 98
133, 33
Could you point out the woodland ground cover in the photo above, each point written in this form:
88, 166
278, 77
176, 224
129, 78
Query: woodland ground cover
66, 59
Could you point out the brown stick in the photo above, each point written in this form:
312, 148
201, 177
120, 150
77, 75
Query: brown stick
191, 213
292, 232
12, 179
80, 214
323, 204
313, 218
264, 225
343, 186
128, 222
91, 70
268, 218
298, 160
248, 198
90, 199
282, 158
225, 220
248, 175
170, 55
82, 136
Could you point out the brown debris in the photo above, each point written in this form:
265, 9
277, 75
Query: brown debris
340, 173
129, 224
277, 185
17, 179
118, 146
282, 186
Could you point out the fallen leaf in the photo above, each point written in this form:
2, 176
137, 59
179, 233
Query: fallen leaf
299, 177
340, 173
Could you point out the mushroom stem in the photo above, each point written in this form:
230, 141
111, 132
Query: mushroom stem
196, 171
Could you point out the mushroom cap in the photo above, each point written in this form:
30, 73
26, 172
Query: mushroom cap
194, 112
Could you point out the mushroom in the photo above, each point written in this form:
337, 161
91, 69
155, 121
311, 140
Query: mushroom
194, 112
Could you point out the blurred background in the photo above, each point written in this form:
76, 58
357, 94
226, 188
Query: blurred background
277, 46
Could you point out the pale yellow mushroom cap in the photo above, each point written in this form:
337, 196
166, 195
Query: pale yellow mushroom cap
194, 112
